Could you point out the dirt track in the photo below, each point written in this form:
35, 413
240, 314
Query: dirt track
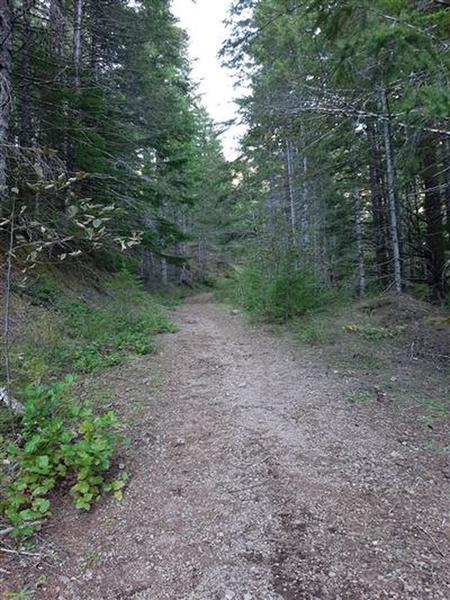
253, 478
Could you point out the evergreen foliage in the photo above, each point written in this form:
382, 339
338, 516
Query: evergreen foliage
346, 161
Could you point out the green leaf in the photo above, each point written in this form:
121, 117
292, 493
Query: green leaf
29, 515
82, 505
41, 505
82, 487
43, 462
117, 485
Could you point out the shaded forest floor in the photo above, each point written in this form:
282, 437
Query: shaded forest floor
261, 470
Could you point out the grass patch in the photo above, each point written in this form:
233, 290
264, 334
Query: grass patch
436, 409
373, 333
75, 336
25, 594
313, 329
360, 397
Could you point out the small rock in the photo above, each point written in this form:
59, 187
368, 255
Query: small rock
396, 455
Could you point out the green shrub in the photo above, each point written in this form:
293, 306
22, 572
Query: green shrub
59, 440
276, 296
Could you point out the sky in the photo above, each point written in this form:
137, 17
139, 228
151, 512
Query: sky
203, 21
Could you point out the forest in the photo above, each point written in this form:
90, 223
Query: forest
348, 139
150, 285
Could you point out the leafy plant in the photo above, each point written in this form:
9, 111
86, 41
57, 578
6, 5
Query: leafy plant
59, 441
24, 594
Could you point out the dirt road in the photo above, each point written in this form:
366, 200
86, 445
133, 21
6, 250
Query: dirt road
254, 478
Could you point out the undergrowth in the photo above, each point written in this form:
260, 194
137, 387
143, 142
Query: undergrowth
58, 440
81, 336
274, 295
395, 343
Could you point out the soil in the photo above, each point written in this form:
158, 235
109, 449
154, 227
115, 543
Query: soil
253, 477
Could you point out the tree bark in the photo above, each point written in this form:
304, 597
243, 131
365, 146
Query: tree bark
78, 17
306, 203
377, 206
58, 26
164, 272
361, 285
6, 34
25, 103
291, 192
446, 195
391, 191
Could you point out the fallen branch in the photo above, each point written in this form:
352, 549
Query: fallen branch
13, 404
8, 530
20, 552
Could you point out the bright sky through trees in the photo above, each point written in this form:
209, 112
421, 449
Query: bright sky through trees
204, 22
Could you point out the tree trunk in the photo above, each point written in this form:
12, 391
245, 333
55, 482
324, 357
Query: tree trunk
58, 26
78, 17
291, 192
446, 194
94, 46
434, 221
377, 206
164, 272
5, 89
390, 175
26, 128
305, 212
361, 285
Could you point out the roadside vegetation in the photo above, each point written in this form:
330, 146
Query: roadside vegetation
395, 347
61, 440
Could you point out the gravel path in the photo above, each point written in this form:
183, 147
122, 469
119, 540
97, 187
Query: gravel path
254, 478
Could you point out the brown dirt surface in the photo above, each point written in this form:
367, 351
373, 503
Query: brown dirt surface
253, 477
